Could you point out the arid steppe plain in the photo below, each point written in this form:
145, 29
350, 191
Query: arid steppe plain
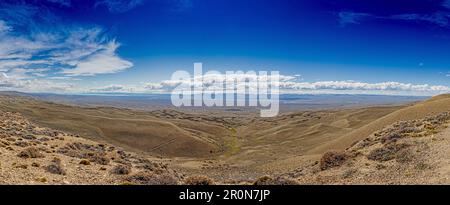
43, 142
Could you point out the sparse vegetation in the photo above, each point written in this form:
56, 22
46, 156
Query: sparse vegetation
402, 144
99, 158
121, 169
404, 156
55, 167
21, 144
148, 178
96, 154
30, 152
267, 180
386, 153
332, 159
199, 180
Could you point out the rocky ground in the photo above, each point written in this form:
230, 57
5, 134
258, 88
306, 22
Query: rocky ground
36, 155
407, 152
30, 154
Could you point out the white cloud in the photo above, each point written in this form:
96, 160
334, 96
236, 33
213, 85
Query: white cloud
361, 86
290, 85
117, 88
31, 63
109, 88
17, 83
77, 51
102, 61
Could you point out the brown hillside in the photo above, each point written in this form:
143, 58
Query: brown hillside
135, 130
435, 105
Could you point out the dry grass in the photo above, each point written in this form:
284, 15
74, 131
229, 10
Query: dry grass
96, 154
169, 134
435, 106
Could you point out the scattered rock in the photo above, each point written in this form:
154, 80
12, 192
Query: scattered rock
42, 180
22, 166
85, 162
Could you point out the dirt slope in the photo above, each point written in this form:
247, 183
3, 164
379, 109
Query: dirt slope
406, 152
30, 154
435, 105
135, 130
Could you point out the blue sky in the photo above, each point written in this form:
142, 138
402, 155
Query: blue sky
348, 46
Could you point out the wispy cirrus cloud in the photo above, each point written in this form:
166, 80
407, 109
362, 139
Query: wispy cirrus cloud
440, 16
66, 3
119, 6
347, 17
181, 5
35, 46
39, 51
78, 51
104, 60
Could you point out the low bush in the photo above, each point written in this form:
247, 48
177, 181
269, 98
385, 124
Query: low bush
148, 178
386, 153
199, 180
55, 167
332, 159
266, 180
121, 169
30, 152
